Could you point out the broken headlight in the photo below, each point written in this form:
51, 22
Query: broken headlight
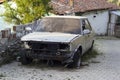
26, 45
64, 47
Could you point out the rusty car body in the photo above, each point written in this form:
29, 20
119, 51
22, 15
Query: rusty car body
62, 38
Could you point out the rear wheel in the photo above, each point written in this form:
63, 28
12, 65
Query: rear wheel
76, 60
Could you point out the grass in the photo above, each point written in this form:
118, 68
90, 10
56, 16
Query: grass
107, 37
89, 55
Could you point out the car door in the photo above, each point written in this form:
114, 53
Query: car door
87, 33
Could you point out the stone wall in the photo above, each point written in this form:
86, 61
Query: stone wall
20, 29
6, 36
10, 43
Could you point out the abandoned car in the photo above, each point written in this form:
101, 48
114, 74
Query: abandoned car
61, 38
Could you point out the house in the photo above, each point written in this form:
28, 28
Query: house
99, 12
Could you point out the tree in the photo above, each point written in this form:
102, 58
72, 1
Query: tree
25, 11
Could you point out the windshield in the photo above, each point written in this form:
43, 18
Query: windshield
64, 25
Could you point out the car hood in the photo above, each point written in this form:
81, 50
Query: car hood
49, 37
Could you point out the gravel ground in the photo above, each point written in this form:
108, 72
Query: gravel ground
108, 67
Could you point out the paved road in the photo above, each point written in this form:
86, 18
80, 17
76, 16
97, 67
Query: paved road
107, 69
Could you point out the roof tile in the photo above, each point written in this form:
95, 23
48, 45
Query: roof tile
61, 6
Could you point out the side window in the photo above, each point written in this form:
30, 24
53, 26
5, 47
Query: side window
86, 25
83, 24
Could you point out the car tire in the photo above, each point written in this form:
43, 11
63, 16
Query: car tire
92, 45
24, 59
76, 60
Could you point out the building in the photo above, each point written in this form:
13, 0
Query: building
99, 13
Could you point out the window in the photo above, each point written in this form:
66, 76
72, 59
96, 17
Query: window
65, 25
86, 25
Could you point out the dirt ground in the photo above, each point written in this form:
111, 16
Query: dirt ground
105, 67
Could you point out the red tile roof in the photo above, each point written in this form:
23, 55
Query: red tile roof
1, 1
61, 6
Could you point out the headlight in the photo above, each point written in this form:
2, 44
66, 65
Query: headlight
64, 47
26, 45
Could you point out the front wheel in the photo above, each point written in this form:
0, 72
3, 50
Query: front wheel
24, 59
76, 60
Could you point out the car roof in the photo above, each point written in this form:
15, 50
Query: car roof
71, 17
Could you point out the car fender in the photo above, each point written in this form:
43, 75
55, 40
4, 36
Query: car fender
76, 50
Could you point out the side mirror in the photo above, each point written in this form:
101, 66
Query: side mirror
86, 31
28, 29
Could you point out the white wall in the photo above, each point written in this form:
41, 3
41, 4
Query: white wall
100, 22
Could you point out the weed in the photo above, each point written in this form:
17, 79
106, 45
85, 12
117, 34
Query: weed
89, 55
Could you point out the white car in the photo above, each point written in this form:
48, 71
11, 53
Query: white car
61, 38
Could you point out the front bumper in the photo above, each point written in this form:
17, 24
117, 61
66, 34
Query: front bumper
61, 56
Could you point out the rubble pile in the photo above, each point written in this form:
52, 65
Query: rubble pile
10, 43
9, 50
